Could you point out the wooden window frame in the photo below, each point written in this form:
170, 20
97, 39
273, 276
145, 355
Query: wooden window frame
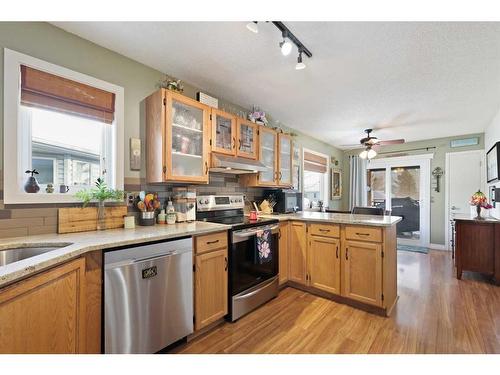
14, 137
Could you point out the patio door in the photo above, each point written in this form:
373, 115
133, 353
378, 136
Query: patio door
401, 185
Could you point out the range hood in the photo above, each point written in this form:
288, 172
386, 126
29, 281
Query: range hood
236, 165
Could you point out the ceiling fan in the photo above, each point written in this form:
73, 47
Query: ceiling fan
372, 143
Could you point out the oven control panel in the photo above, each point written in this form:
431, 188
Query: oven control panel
219, 202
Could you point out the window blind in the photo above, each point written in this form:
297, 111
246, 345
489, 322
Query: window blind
315, 163
47, 91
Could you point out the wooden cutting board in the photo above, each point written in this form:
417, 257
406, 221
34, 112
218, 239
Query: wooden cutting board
77, 219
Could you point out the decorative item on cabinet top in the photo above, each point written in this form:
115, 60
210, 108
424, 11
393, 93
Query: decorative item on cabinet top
171, 84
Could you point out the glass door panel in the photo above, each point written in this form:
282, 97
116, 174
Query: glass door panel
187, 140
247, 135
268, 155
223, 133
376, 188
405, 201
285, 147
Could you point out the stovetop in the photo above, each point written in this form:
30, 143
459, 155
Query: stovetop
241, 222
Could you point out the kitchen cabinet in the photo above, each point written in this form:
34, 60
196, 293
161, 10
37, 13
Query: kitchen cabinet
323, 259
223, 132
284, 176
46, 313
362, 268
177, 138
298, 252
248, 139
283, 252
211, 283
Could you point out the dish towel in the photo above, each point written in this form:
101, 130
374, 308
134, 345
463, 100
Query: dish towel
264, 239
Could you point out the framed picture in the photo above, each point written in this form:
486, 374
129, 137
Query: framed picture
336, 183
492, 163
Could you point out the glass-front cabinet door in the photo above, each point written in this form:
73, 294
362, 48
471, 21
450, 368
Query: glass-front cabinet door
187, 138
285, 160
223, 132
247, 136
268, 141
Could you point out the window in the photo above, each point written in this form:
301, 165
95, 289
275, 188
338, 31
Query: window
315, 190
66, 125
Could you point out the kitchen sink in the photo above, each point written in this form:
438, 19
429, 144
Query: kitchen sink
15, 254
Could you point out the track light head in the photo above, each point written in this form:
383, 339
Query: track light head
253, 27
300, 65
285, 45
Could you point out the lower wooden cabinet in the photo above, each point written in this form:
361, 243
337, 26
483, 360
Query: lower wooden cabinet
45, 313
210, 287
362, 272
323, 259
298, 252
283, 252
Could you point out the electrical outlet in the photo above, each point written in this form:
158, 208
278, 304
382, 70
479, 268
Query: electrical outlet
131, 195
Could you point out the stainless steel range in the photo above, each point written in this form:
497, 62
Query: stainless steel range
253, 266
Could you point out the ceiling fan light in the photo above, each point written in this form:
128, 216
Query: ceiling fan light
371, 153
252, 26
286, 47
363, 154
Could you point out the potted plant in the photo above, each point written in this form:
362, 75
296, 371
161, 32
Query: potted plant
101, 193
479, 200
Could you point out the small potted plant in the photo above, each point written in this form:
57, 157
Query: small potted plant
101, 193
480, 201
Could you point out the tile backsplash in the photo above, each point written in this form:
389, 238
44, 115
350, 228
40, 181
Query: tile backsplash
26, 220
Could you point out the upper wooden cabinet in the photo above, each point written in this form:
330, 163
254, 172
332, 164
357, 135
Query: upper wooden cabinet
284, 176
248, 139
223, 132
177, 138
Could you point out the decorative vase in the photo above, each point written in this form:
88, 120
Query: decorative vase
101, 216
478, 212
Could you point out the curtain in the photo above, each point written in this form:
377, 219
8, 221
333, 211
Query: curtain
357, 181
47, 91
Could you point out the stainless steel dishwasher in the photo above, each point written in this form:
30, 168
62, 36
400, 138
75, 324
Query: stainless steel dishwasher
148, 296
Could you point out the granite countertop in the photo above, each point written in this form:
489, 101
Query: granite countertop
323, 217
83, 242
467, 217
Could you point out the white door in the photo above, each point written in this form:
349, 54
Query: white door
465, 175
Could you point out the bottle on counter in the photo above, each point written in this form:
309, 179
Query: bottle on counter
162, 217
171, 215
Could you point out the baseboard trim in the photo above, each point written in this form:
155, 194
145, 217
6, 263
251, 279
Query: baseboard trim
436, 246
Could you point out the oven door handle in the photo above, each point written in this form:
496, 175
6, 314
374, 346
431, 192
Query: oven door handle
245, 234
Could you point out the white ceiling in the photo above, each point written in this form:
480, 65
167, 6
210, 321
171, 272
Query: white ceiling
409, 80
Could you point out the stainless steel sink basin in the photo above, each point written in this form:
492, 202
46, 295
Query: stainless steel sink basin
8, 256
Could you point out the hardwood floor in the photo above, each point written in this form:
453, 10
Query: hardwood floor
436, 313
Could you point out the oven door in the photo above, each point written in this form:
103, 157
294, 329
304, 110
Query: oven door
246, 267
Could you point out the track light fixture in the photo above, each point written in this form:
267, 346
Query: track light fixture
300, 65
286, 45
253, 27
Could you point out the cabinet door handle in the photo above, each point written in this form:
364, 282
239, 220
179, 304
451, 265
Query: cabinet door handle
279, 234
346, 253
362, 234
234, 142
337, 252
281, 175
239, 144
206, 167
225, 263
212, 242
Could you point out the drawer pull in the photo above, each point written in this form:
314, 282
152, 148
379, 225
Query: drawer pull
212, 242
362, 234
324, 230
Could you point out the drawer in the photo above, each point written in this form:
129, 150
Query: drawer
209, 242
325, 230
371, 234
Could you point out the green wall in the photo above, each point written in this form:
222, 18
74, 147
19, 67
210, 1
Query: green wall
49, 43
437, 199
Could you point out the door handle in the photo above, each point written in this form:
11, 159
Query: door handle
279, 234
239, 144
454, 207
206, 167
234, 142
346, 253
281, 176
225, 263
337, 252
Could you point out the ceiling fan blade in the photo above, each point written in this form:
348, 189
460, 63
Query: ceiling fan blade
352, 145
391, 142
